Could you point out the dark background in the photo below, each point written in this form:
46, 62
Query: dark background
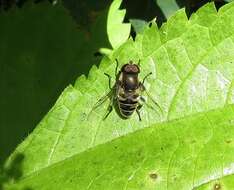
39, 58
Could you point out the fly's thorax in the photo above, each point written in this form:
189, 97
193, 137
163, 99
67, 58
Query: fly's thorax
129, 82
123, 94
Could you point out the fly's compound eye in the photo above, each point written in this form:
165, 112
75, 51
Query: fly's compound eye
131, 68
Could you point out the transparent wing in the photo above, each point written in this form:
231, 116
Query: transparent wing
154, 102
103, 99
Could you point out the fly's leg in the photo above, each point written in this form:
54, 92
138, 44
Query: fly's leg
151, 107
148, 105
109, 109
146, 78
116, 73
142, 99
139, 63
142, 87
138, 112
109, 77
100, 102
116, 68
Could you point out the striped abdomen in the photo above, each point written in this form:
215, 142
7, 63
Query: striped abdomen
127, 106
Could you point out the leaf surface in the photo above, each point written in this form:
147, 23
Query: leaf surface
138, 25
192, 64
181, 154
169, 7
118, 32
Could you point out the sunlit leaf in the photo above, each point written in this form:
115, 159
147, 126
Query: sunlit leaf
118, 32
185, 147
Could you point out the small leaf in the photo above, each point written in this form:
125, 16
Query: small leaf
168, 7
138, 25
118, 32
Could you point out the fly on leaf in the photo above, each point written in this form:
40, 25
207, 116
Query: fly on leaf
127, 92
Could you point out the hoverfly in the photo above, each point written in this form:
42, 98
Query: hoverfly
126, 92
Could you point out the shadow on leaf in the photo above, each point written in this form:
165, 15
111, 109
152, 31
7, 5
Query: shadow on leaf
12, 173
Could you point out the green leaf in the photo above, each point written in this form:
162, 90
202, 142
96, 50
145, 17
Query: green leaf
138, 25
220, 183
182, 154
40, 54
118, 32
168, 7
85, 13
192, 64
